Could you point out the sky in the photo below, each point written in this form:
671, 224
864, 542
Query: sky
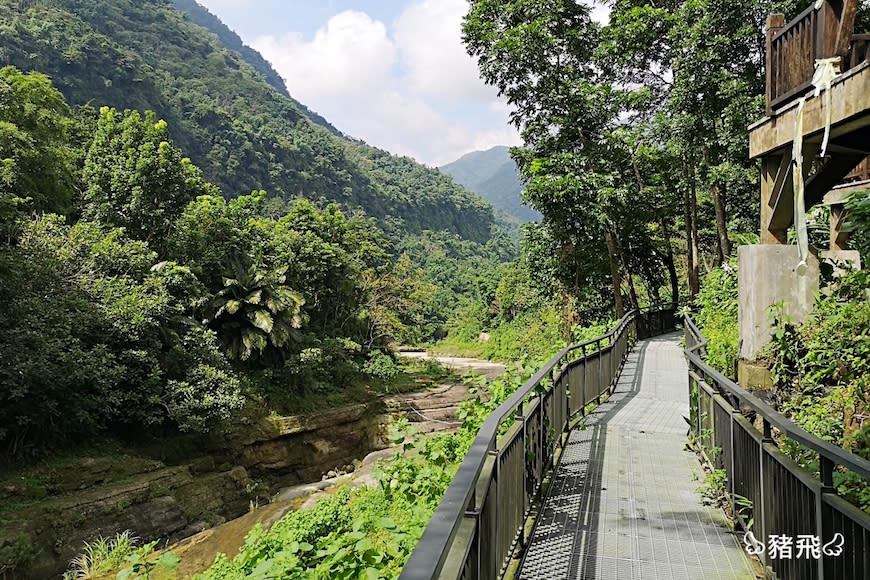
393, 73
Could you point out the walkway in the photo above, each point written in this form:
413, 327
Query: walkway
623, 504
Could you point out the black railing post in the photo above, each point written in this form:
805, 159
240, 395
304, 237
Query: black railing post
766, 438
600, 379
583, 400
542, 441
525, 464
700, 408
496, 469
824, 525
610, 363
731, 462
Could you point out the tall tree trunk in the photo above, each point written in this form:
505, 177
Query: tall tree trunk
632, 293
613, 257
690, 207
721, 227
669, 261
696, 252
669, 258
718, 194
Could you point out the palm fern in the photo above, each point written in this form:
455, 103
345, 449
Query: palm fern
255, 309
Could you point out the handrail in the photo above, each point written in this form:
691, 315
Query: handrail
785, 500
818, 32
785, 425
468, 495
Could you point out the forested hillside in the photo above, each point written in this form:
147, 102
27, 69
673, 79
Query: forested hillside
229, 39
493, 175
244, 133
187, 252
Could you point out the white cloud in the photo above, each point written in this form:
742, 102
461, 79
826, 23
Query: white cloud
215, 5
429, 38
352, 54
411, 90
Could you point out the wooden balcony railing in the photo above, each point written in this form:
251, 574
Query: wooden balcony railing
793, 48
860, 51
860, 173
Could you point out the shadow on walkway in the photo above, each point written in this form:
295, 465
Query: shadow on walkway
622, 502
575, 493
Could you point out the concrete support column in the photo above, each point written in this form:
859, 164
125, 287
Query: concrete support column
767, 276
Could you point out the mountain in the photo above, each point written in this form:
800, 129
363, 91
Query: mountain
225, 107
493, 175
200, 15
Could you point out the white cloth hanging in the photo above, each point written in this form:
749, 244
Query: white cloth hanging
825, 71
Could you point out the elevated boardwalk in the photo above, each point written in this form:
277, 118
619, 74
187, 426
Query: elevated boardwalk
623, 502
622, 499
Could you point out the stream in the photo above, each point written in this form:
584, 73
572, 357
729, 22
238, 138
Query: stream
433, 410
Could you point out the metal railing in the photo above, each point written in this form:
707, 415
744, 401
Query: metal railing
786, 499
483, 513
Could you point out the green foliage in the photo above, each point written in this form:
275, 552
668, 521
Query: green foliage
381, 366
101, 556
255, 310
234, 124
743, 507
457, 280
858, 221
821, 372
143, 563
136, 179
370, 532
605, 189
17, 555
246, 300
717, 317
95, 337
714, 487
533, 335
36, 170
366, 533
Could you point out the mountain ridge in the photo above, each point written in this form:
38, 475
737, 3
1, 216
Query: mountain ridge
202, 16
243, 132
493, 175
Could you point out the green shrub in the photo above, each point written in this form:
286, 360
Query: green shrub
858, 221
93, 337
381, 366
821, 372
717, 317
101, 556
370, 532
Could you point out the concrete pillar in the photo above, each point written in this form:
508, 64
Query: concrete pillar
766, 276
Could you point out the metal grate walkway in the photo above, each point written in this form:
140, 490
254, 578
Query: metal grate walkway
623, 503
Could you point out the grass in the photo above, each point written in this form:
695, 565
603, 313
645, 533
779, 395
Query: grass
101, 556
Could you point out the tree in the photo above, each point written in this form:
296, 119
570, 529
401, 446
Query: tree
541, 57
95, 337
136, 178
36, 172
254, 311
